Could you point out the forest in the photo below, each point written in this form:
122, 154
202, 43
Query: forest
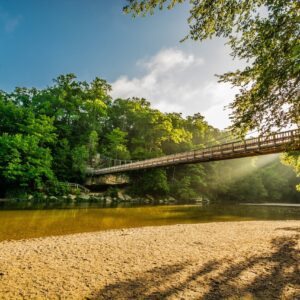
50, 136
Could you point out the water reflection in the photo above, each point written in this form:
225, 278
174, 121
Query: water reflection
21, 224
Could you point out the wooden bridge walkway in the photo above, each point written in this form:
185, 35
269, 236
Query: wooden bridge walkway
273, 143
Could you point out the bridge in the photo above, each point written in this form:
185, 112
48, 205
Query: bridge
261, 145
77, 186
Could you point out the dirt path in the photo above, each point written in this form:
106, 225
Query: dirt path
238, 260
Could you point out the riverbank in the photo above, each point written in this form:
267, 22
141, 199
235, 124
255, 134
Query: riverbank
234, 260
89, 199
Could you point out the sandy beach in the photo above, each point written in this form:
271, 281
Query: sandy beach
234, 260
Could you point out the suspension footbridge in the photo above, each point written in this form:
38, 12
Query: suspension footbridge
261, 145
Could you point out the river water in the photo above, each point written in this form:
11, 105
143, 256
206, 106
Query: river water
32, 223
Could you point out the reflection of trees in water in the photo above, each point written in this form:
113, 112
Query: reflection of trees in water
273, 275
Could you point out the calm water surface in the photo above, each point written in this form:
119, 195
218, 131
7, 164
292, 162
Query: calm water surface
22, 224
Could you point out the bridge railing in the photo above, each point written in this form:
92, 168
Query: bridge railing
272, 143
77, 186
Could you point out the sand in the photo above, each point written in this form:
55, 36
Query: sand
234, 260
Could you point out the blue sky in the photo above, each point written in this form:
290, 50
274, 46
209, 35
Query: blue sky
41, 39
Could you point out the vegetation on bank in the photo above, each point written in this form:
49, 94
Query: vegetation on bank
50, 136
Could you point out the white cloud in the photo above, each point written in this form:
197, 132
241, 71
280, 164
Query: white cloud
9, 22
12, 23
177, 81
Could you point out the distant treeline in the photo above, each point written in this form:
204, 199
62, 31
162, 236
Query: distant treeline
49, 136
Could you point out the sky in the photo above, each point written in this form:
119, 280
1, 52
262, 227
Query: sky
142, 57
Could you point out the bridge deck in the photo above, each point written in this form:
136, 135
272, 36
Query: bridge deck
274, 143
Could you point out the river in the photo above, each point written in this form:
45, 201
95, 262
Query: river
23, 224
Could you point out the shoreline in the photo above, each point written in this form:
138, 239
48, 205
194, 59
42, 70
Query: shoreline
163, 226
227, 260
272, 204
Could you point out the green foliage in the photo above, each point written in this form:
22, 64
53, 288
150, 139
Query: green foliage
116, 144
80, 155
293, 159
187, 182
112, 192
62, 160
57, 188
49, 135
23, 162
252, 180
150, 182
182, 189
93, 145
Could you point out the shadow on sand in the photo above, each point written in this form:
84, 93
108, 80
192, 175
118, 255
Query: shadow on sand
273, 275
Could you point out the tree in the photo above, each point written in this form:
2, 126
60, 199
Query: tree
25, 141
80, 156
187, 182
77, 107
93, 145
264, 33
293, 159
116, 144
150, 182
24, 162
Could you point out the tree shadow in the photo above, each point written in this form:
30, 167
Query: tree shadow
280, 273
148, 285
274, 275
295, 229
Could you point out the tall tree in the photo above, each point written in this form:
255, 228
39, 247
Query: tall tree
264, 33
